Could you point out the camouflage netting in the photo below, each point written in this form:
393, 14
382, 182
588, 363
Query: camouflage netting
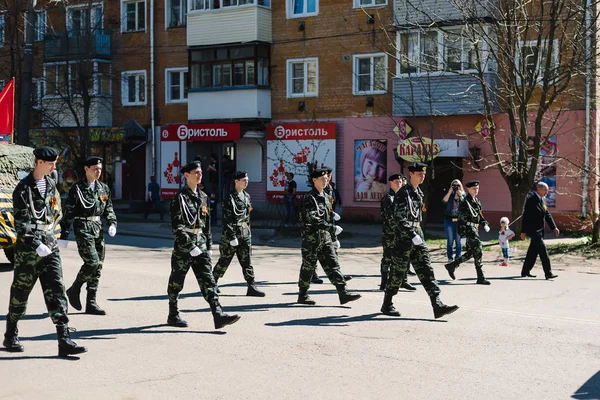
14, 158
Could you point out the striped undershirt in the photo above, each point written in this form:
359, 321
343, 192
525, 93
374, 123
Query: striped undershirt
41, 184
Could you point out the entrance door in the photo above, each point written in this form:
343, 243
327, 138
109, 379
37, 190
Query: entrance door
446, 170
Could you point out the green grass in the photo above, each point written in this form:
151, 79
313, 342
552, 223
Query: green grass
587, 250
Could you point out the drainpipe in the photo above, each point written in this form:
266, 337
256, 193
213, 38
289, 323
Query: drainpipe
588, 101
152, 116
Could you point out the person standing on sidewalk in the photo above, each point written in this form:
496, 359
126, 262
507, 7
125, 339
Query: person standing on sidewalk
534, 215
318, 241
452, 201
37, 211
470, 216
88, 202
289, 198
153, 201
236, 238
409, 246
190, 222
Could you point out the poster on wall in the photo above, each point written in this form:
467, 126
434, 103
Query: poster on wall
297, 148
370, 169
546, 168
170, 164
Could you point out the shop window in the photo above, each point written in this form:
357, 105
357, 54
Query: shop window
133, 16
176, 13
133, 88
176, 85
303, 77
370, 73
250, 158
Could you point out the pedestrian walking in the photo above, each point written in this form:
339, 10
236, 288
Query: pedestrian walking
89, 201
153, 202
289, 198
504, 236
236, 237
318, 242
470, 217
534, 215
37, 211
452, 201
190, 222
410, 247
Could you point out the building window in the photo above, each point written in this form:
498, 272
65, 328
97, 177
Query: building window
134, 16
2, 30
205, 5
133, 88
39, 27
176, 85
370, 73
103, 81
302, 8
534, 60
176, 13
369, 3
303, 77
78, 19
37, 92
230, 67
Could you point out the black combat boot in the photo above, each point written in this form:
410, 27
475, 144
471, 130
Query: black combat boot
387, 307
347, 277
91, 307
383, 283
11, 338
221, 319
450, 267
174, 319
315, 279
440, 309
345, 296
73, 294
253, 291
481, 278
304, 298
407, 286
65, 345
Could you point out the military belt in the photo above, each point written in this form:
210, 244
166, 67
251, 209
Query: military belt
473, 224
413, 224
41, 227
195, 231
95, 218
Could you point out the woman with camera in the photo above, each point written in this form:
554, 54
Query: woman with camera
451, 200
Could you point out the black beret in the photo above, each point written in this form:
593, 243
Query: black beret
45, 153
472, 184
240, 175
93, 160
189, 167
417, 167
317, 173
329, 170
393, 177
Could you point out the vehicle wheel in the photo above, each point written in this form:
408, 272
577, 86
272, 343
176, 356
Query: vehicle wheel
10, 254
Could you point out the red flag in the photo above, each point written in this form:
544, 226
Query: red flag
7, 108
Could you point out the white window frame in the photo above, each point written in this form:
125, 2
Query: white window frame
37, 86
372, 4
168, 71
289, 79
533, 43
124, 16
2, 29
124, 88
184, 10
371, 56
289, 6
99, 76
208, 5
38, 32
91, 8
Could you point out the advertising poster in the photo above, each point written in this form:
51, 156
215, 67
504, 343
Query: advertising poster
297, 148
546, 168
370, 169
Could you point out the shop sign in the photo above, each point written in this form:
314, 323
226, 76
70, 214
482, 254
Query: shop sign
107, 135
200, 132
414, 149
315, 131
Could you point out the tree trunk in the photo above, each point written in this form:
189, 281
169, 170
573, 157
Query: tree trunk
517, 197
596, 231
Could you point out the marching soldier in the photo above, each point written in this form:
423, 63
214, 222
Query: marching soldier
409, 247
89, 201
37, 212
318, 241
387, 236
470, 216
190, 222
236, 238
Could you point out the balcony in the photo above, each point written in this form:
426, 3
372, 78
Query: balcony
63, 47
57, 113
441, 95
229, 25
411, 14
241, 103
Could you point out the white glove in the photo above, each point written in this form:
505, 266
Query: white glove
210, 253
195, 252
234, 242
337, 244
336, 216
63, 243
486, 228
112, 230
43, 250
338, 230
463, 242
417, 240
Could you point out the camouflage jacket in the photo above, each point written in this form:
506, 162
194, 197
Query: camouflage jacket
236, 215
317, 212
84, 202
190, 220
470, 214
408, 211
32, 209
387, 212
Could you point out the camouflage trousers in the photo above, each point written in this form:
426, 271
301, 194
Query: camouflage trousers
201, 265
387, 240
243, 252
406, 253
318, 246
29, 267
473, 249
90, 245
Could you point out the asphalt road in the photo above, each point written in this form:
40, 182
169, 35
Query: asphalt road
518, 338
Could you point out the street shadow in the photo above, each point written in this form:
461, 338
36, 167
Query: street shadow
590, 389
344, 320
471, 281
6, 267
265, 307
29, 316
67, 358
156, 297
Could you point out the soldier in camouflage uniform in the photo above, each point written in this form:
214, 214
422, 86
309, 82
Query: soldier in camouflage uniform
236, 238
470, 216
37, 211
387, 235
409, 247
190, 222
89, 201
317, 241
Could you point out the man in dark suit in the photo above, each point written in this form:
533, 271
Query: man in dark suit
534, 215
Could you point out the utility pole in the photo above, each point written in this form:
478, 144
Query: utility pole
25, 107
